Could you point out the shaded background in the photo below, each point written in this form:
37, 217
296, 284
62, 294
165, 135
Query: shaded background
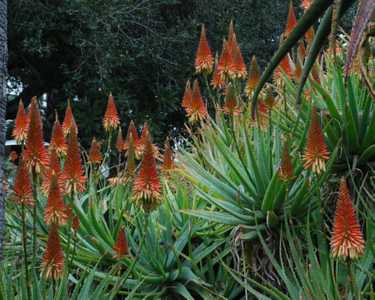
143, 51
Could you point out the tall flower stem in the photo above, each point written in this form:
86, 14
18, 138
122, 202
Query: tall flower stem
25, 258
35, 196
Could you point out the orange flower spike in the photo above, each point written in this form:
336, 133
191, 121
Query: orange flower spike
23, 192
198, 109
239, 66
306, 4
230, 105
316, 152
130, 162
111, 118
147, 187
120, 143
54, 168
286, 67
254, 77
35, 154
186, 100
58, 139
53, 258
204, 60
121, 246
286, 167
69, 121
132, 131
168, 162
292, 20
225, 64
55, 211
217, 81
95, 155
73, 173
347, 238
21, 124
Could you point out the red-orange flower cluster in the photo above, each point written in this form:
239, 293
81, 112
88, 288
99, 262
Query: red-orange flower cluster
198, 110
204, 59
95, 155
121, 246
21, 124
168, 162
69, 123
231, 106
58, 139
55, 211
23, 192
306, 4
111, 118
53, 258
54, 168
73, 173
316, 152
120, 143
347, 239
292, 20
147, 188
188, 95
35, 154
254, 77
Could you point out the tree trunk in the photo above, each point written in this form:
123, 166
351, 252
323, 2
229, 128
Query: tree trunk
3, 75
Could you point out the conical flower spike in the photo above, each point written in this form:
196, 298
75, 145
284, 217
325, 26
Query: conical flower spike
54, 168
168, 162
23, 192
95, 156
198, 109
132, 131
286, 67
147, 188
73, 174
35, 154
121, 246
217, 81
53, 258
204, 60
316, 152
186, 100
55, 211
225, 64
347, 239
231, 106
239, 66
120, 143
58, 139
254, 76
21, 124
130, 162
286, 166
69, 123
111, 118
292, 20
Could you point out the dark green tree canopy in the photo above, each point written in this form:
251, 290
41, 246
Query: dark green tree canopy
141, 51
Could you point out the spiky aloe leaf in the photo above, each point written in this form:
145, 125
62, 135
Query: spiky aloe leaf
321, 35
365, 11
312, 15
